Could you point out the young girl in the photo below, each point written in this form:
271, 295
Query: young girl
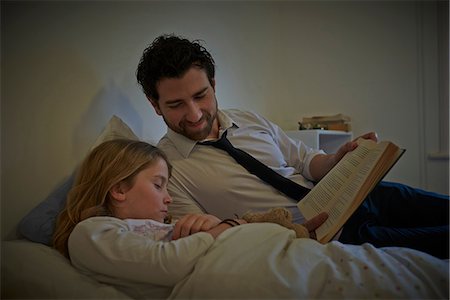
120, 202
114, 229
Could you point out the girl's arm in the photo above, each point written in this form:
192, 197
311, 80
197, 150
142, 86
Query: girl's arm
222, 226
194, 223
105, 246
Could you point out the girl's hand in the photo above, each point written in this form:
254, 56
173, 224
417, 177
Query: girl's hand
190, 224
221, 227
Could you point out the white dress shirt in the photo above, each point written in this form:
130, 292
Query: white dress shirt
206, 179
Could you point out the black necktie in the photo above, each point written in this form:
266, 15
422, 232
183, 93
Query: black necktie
254, 166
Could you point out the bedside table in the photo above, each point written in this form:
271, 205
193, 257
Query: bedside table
327, 140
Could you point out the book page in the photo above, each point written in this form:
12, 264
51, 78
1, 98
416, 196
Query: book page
336, 191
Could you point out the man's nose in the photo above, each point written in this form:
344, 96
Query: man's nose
194, 112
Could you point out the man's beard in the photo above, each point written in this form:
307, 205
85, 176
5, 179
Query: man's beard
183, 128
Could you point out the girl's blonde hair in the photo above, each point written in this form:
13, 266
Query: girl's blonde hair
106, 165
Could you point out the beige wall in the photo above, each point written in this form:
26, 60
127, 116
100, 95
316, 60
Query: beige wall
68, 66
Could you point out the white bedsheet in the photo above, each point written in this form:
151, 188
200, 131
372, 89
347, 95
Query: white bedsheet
244, 264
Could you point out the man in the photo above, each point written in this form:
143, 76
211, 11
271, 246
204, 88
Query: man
177, 77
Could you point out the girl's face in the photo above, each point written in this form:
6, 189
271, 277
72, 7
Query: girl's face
147, 198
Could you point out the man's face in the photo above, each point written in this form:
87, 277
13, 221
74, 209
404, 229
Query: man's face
188, 104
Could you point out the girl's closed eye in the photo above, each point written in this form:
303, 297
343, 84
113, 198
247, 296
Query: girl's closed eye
160, 182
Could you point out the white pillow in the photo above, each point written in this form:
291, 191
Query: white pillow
39, 224
34, 271
115, 129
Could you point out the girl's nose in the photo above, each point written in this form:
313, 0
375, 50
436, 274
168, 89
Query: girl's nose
167, 199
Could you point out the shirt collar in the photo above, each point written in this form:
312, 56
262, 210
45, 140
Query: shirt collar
185, 145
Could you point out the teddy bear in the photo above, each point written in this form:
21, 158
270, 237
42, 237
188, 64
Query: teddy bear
280, 216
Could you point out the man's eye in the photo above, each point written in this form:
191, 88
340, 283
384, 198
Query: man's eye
174, 105
158, 186
199, 97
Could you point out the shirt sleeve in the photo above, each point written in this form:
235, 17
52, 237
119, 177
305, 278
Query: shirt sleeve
296, 153
105, 246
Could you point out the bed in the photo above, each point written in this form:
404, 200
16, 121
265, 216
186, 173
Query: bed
284, 267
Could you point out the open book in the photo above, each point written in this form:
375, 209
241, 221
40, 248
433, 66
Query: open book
344, 188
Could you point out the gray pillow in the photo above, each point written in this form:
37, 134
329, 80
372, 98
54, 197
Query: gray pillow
38, 225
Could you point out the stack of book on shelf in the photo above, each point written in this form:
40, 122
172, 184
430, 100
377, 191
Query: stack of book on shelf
335, 122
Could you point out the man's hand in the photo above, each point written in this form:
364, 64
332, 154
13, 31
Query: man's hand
314, 223
350, 146
369, 136
321, 164
190, 224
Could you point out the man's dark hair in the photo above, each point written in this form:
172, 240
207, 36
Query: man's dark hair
170, 56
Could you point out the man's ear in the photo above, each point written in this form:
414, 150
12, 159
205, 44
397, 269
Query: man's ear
118, 192
155, 105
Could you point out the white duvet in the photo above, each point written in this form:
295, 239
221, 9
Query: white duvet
248, 262
251, 261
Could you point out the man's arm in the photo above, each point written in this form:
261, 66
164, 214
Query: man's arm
321, 164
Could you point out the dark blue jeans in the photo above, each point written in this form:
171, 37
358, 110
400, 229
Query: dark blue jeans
394, 214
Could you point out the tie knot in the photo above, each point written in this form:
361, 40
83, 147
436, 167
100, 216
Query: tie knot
222, 143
